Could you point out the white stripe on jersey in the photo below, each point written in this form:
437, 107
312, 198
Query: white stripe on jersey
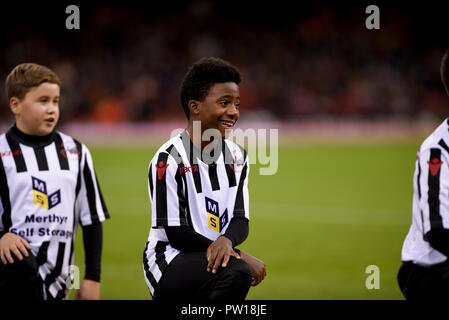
430, 209
44, 206
204, 197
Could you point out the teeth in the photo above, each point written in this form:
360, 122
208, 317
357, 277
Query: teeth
227, 123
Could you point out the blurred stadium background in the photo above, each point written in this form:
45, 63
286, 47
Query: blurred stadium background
351, 105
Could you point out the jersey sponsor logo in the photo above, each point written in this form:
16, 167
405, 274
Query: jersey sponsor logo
10, 153
214, 220
41, 197
434, 166
238, 160
161, 167
188, 169
69, 150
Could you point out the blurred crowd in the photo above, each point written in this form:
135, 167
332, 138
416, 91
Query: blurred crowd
126, 64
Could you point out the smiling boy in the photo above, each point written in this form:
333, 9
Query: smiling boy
47, 187
199, 197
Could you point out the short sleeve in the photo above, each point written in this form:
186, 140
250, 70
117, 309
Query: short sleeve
90, 204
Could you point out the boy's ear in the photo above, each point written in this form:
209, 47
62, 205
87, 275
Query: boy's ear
194, 107
14, 104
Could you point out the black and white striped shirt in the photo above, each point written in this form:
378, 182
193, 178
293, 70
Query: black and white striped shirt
430, 199
186, 191
48, 187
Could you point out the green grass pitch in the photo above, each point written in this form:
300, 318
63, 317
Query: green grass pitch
329, 212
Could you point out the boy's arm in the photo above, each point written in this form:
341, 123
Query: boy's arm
237, 231
93, 242
221, 250
257, 267
186, 239
92, 211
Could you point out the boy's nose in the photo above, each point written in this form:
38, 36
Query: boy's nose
233, 111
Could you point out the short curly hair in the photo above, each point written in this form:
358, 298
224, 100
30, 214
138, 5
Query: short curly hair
202, 75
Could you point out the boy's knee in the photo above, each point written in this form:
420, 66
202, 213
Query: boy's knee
20, 280
21, 269
240, 272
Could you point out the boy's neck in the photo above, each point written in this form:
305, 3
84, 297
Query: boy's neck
31, 139
197, 139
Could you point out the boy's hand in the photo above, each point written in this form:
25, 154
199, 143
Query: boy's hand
12, 243
89, 290
257, 267
218, 253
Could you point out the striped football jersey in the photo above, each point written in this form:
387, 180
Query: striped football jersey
430, 198
47, 187
186, 190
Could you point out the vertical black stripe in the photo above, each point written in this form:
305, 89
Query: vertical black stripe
443, 145
188, 215
41, 158
146, 267
418, 184
102, 202
197, 179
191, 152
90, 191
4, 197
182, 202
229, 165
161, 189
150, 180
17, 154
239, 207
434, 191
41, 256
50, 278
418, 179
78, 181
62, 153
161, 246
213, 176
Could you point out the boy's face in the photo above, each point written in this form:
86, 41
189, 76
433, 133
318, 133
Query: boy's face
220, 108
38, 112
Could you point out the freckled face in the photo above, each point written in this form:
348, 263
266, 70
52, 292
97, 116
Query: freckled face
38, 112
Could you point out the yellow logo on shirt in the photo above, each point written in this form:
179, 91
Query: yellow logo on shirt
214, 221
40, 196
